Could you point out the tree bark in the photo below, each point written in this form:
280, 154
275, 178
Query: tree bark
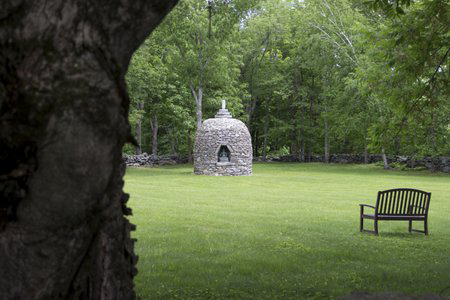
189, 141
63, 118
385, 162
326, 143
266, 129
366, 154
155, 127
250, 112
198, 96
311, 123
138, 137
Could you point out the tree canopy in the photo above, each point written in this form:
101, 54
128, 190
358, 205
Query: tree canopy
307, 77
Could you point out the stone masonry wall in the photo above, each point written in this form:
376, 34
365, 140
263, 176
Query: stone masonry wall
435, 164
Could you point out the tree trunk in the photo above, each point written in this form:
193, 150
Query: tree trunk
302, 150
250, 112
155, 127
139, 131
199, 108
174, 143
63, 234
366, 154
385, 162
326, 143
198, 97
255, 143
138, 137
433, 133
266, 129
189, 141
302, 135
311, 123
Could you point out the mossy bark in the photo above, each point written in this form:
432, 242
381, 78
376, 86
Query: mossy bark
63, 122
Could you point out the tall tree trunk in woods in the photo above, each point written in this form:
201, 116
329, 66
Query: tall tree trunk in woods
311, 123
397, 145
302, 135
138, 137
63, 234
155, 127
326, 142
385, 161
198, 96
250, 112
266, 129
366, 154
139, 130
433, 132
189, 141
174, 142
302, 150
209, 19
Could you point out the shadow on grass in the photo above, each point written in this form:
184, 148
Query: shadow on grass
396, 235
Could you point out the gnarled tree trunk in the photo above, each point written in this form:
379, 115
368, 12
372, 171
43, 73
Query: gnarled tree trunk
63, 122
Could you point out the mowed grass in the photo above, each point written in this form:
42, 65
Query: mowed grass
290, 231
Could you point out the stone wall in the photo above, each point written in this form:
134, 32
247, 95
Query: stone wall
152, 160
435, 164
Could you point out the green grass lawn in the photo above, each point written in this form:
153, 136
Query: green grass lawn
290, 231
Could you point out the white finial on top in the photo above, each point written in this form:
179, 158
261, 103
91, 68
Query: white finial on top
223, 112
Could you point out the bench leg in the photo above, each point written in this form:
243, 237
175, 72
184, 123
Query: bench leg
410, 226
361, 223
425, 226
375, 225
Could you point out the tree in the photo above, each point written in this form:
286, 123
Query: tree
406, 71
149, 88
63, 119
203, 50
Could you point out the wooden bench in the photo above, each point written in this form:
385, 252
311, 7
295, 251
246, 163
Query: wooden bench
398, 205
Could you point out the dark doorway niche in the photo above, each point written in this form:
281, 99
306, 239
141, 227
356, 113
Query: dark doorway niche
224, 154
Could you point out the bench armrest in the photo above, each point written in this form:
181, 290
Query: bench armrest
371, 206
361, 208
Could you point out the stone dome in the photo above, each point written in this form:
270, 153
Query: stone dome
223, 146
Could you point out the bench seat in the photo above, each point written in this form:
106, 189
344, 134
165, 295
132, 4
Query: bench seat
393, 218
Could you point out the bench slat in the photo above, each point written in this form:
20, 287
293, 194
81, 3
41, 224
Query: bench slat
400, 202
417, 208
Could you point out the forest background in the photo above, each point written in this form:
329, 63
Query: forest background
307, 77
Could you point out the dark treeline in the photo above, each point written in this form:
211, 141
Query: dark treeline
307, 77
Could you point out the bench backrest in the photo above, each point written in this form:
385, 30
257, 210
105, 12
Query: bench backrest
410, 202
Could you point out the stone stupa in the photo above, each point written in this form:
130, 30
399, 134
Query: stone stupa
223, 146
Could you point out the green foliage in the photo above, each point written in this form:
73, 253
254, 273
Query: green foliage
406, 79
308, 76
390, 8
399, 166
